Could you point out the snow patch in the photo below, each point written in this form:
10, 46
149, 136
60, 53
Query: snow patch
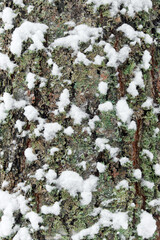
22, 234
137, 81
123, 110
70, 23
39, 175
137, 174
74, 183
122, 184
148, 103
147, 184
132, 125
124, 160
81, 33
10, 203
101, 143
56, 71
77, 114
19, 125
116, 220
146, 59
5, 184
6, 63
34, 219
19, 3
105, 107
30, 79
98, 60
116, 58
63, 100
148, 154
156, 168
53, 150
27, 30
133, 35
30, 156
50, 130
103, 88
101, 167
69, 131
82, 164
31, 113
130, 6
155, 202
7, 16
71, 181
53, 209
147, 226
8, 101
8, 104
81, 58
92, 121
30, 8
51, 175
3, 113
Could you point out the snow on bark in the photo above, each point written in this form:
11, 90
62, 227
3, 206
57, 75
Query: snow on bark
34, 31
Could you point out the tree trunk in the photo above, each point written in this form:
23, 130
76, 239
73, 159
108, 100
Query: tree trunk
79, 116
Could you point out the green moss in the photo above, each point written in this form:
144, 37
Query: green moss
129, 68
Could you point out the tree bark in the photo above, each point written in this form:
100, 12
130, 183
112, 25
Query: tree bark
110, 150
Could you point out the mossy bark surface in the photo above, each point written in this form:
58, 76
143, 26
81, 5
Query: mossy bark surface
80, 147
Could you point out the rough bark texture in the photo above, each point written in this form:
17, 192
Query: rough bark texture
83, 90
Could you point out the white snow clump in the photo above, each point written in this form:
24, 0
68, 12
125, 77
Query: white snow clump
81, 33
6, 63
7, 16
77, 114
74, 183
123, 110
63, 100
30, 156
116, 58
53, 209
103, 87
50, 130
27, 30
147, 225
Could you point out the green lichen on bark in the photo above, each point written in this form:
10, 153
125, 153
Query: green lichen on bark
83, 88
